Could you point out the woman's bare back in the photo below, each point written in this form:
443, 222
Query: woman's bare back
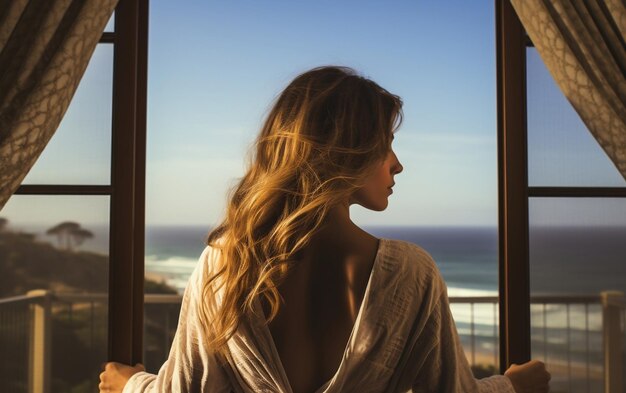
322, 296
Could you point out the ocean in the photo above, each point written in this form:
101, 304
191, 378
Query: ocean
563, 260
467, 257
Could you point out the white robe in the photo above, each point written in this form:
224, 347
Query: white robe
404, 340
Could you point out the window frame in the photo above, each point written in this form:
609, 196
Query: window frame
513, 188
514, 290
127, 184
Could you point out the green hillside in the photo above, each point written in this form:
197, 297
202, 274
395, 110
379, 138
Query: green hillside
26, 264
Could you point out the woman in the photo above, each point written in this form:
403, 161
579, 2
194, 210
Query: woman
290, 295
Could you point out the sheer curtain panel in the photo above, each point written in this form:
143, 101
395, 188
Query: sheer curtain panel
45, 46
582, 43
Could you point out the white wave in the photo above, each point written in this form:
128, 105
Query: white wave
175, 271
174, 265
176, 260
470, 292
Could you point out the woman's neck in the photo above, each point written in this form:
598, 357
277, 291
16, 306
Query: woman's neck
339, 233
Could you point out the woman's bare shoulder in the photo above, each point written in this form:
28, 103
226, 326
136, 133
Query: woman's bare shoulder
413, 263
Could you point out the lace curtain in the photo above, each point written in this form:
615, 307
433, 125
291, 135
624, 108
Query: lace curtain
582, 43
45, 47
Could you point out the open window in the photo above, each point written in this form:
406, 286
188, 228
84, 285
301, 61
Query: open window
562, 205
72, 235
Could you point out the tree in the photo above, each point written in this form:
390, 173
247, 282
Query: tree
79, 235
69, 234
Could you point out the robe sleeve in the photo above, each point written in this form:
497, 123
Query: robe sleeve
191, 366
445, 367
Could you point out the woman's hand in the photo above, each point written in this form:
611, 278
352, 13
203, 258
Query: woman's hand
530, 377
115, 376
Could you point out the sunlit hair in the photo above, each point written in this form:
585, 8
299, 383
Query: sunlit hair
327, 130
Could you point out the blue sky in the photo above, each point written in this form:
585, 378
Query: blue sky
215, 67
235, 58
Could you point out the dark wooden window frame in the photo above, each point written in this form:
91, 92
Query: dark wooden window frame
128, 160
513, 188
127, 188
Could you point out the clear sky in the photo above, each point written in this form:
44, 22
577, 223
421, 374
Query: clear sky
215, 67
213, 78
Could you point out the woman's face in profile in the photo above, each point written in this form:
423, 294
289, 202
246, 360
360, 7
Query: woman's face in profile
374, 194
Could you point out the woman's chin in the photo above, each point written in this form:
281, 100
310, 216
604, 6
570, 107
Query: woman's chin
379, 207
374, 205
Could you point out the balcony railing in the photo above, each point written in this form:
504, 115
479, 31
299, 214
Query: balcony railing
579, 337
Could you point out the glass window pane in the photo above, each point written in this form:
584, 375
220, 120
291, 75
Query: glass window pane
110, 27
206, 105
53, 290
577, 254
561, 150
80, 150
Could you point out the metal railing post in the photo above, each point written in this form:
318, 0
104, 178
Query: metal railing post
612, 303
40, 342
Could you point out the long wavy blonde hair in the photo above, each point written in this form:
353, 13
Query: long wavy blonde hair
326, 131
